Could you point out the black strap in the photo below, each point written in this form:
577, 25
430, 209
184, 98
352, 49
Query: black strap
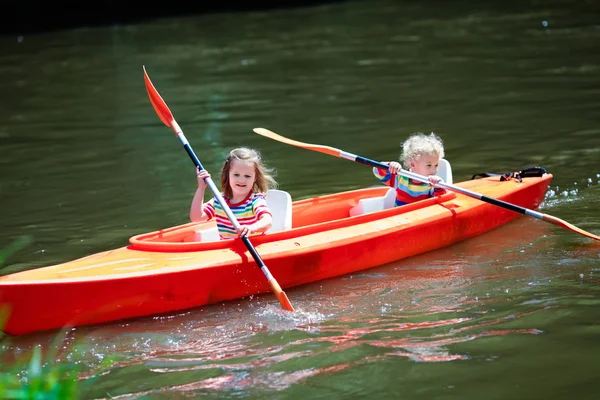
531, 172
528, 172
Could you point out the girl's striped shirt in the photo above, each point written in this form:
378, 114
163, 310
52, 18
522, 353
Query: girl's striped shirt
407, 190
247, 212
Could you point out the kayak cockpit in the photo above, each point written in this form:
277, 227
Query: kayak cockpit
319, 213
302, 217
280, 205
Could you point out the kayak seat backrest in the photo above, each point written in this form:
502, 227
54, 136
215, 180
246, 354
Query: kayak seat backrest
280, 205
210, 234
445, 171
389, 200
374, 203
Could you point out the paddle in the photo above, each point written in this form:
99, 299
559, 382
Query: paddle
167, 118
353, 157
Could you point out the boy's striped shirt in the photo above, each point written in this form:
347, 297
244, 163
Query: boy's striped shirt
247, 212
407, 190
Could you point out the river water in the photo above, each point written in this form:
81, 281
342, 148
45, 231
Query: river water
514, 313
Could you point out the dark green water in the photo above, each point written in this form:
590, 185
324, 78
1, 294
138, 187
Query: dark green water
85, 164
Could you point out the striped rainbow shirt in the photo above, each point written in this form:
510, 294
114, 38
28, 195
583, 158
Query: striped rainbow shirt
247, 212
407, 190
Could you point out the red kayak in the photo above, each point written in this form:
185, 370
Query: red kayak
322, 237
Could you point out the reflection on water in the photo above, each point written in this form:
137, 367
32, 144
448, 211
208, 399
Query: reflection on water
86, 164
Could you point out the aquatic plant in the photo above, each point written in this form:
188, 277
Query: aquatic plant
33, 378
46, 382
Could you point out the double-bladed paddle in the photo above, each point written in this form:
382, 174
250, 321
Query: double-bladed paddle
167, 118
362, 160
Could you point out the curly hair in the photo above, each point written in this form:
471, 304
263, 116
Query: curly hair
264, 175
420, 144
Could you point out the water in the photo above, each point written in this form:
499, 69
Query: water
86, 164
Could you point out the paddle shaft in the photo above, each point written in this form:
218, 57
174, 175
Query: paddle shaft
332, 151
221, 200
211, 184
421, 178
167, 118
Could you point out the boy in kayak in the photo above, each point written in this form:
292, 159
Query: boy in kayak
244, 181
421, 154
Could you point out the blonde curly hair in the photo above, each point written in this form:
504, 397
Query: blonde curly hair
421, 144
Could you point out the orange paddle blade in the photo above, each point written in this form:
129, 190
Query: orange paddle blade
281, 296
314, 147
571, 227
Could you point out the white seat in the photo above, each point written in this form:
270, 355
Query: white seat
280, 205
207, 235
445, 171
389, 200
204, 234
374, 203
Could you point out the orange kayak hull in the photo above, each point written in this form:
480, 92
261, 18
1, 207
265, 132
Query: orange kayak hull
163, 271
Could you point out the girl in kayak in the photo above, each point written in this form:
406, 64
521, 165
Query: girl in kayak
421, 154
244, 181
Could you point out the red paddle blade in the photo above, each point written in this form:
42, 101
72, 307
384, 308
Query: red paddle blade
157, 102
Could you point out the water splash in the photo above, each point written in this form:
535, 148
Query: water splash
557, 196
275, 319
